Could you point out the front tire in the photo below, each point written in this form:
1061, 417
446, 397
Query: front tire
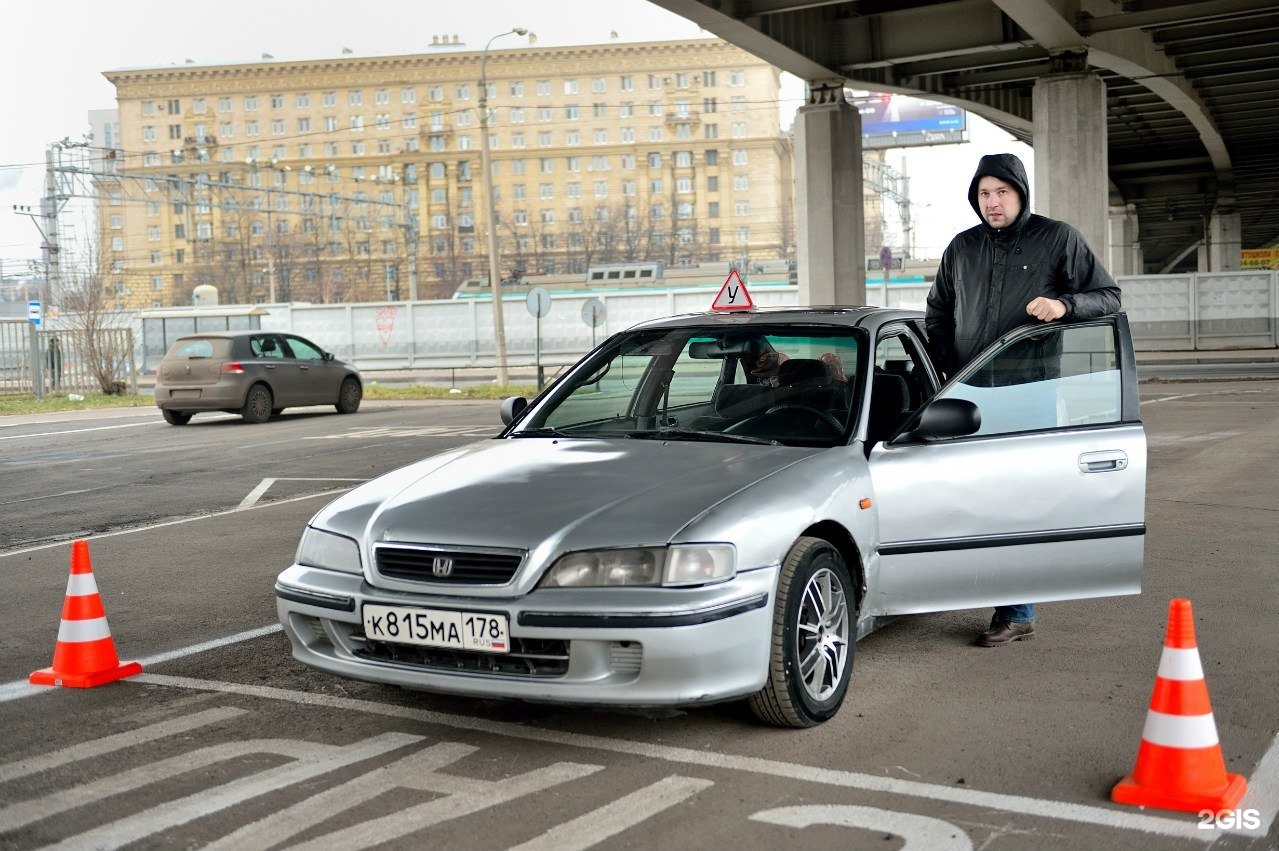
349, 396
257, 404
176, 417
811, 660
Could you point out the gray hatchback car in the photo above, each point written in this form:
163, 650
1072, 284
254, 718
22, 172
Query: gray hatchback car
256, 374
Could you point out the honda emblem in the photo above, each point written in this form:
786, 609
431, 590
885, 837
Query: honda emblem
441, 566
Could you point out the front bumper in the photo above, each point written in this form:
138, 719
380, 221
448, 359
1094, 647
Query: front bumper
616, 646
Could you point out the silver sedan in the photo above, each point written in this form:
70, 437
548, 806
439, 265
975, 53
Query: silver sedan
716, 507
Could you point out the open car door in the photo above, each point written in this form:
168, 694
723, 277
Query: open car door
1044, 501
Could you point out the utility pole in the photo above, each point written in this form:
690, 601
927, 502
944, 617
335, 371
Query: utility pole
49, 210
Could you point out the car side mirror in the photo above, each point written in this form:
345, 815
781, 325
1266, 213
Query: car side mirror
512, 407
328, 355
942, 418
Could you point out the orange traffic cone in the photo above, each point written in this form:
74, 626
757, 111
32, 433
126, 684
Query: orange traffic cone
1179, 764
84, 656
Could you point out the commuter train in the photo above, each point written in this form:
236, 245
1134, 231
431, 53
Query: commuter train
637, 277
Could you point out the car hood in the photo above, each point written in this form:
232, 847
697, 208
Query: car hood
531, 493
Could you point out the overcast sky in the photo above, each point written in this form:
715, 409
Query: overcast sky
54, 55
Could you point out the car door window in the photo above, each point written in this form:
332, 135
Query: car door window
304, 350
1060, 377
265, 346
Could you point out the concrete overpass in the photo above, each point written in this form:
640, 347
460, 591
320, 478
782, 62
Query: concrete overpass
1154, 122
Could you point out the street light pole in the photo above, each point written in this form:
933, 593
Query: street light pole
495, 281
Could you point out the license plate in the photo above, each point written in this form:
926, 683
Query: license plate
481, 631
185, 394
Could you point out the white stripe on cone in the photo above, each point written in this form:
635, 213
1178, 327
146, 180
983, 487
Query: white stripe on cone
86, 630
1180, 664
1180, 731
81, 585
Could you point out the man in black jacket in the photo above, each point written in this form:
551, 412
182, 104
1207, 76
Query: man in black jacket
1014, 268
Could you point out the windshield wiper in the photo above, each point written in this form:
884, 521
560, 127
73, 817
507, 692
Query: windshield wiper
545, 431
704, 436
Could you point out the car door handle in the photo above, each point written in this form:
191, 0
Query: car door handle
1103, 462
269, 365
303, 367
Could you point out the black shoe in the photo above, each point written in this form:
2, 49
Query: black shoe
1004, 632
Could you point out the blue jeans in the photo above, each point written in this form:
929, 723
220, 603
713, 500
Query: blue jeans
1023, 613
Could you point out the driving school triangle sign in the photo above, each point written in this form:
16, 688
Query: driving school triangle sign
733, 295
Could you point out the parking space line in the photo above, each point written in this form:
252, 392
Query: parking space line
119, 741
265, 485
77, 430
1180, 828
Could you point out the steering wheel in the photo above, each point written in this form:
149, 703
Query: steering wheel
824, 417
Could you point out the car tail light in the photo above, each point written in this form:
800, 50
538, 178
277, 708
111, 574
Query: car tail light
234, 367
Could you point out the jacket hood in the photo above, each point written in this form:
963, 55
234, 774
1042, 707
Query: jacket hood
1008, 168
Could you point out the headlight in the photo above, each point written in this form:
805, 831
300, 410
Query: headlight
327, 550
683, 564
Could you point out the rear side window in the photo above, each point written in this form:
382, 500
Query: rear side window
200, 347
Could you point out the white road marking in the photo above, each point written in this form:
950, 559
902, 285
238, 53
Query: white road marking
78, 430
310, 760
22, 688
265, 485
419, 772
1263, 792
1083, 813
329, 494
423, 431
611, 819
119, 741
921, 833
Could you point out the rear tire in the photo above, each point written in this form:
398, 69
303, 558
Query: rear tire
349, 396
176, 417
811, 660
257, 404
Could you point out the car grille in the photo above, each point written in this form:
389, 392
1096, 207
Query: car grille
446, 566
529, 657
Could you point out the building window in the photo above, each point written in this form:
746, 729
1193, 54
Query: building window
742, 182
600, 137
628, 134
626, 83
712, 210
684, 185
570, 87
739, 129
571, 112
251, 103
739, 156
516, 88
712, 183
601, 188
572, 137
737, 78
224, 104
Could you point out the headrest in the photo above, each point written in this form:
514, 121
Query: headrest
802, 371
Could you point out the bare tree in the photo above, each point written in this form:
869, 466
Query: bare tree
102, 338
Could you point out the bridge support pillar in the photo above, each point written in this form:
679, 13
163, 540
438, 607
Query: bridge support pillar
1071, 161
1223, 242
830, 232
1125, 249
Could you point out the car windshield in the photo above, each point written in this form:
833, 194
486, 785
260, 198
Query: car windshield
788, 385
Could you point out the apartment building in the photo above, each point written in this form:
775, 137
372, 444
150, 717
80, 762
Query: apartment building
359, 178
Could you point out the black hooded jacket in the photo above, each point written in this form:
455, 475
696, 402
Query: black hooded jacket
988, 275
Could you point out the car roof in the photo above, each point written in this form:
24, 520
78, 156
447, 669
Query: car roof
869, 318
232, 335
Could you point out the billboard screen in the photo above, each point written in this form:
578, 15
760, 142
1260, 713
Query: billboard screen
895, 121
